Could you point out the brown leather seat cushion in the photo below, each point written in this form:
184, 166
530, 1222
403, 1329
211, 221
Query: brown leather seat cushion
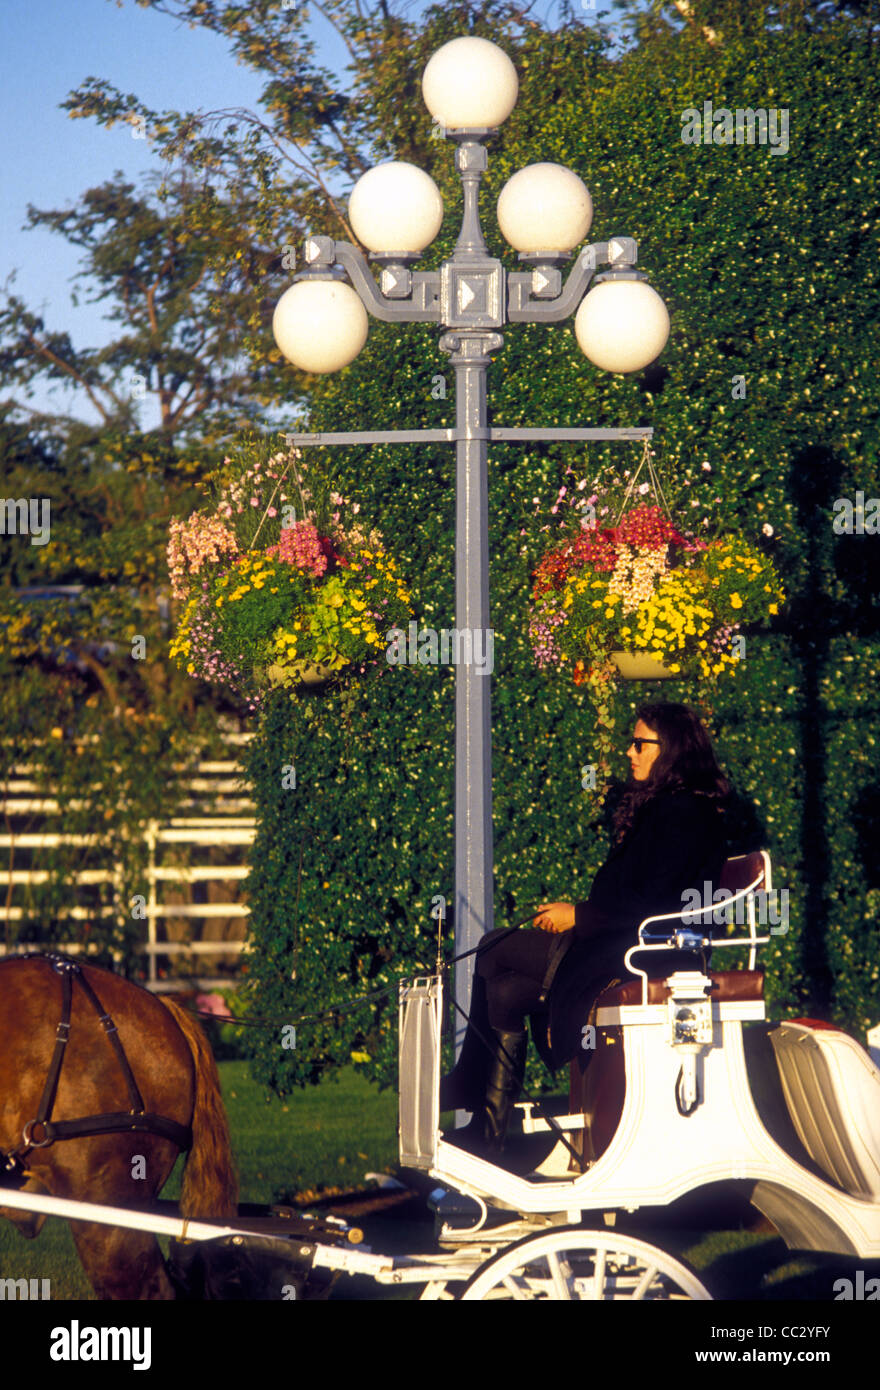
727, 986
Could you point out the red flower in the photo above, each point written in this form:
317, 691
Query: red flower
646, 528
590, 550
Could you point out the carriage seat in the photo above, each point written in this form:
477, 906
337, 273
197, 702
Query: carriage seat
728, 986
832, 1090
597, 1084
741, 877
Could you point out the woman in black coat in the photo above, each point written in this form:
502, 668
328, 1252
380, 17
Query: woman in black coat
668, 840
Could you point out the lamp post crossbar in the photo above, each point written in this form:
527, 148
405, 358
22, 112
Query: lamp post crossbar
493, 433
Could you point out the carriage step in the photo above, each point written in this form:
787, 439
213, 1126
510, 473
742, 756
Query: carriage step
536, 1124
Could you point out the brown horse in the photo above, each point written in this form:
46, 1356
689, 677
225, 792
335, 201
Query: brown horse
175, 1071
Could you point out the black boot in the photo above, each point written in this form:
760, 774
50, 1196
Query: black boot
488, 1128
465, 1086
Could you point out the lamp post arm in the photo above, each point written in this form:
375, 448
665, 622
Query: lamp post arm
416, 296
620, 252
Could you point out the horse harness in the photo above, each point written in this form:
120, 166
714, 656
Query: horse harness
117, 1122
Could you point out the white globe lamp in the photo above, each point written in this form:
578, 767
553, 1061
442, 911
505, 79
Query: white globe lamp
621, 325
395, 207
470, 84
545, 207
320, 325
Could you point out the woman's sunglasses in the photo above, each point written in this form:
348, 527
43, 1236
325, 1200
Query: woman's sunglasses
637, 743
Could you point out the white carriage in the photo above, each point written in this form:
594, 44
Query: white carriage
676, 1098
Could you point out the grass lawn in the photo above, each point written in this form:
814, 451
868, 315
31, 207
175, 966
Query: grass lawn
331, 1136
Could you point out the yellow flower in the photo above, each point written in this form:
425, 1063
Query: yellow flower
774, 608
735, 601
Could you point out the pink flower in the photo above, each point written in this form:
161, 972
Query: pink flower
767, 529
643, 488
706, 467
213, 1004
301, 546
194, 543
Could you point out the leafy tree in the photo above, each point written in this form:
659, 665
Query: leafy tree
716, 22
177, 271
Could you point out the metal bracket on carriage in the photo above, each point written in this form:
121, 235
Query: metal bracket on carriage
689, 1016
689, 1009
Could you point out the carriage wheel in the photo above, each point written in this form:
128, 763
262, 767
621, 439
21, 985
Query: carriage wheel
571, 1263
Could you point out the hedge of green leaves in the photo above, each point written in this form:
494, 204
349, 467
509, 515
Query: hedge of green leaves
767, 265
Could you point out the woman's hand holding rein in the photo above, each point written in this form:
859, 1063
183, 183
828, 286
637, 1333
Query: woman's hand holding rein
554, 917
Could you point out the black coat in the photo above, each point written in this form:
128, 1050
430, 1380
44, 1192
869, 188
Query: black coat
675, 843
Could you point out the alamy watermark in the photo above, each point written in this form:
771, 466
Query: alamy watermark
860, 1290
450, 646
770, 907
26, 516
852, 519
743, 126
76, 1343
25, 1289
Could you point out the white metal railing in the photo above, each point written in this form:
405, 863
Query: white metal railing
213, 786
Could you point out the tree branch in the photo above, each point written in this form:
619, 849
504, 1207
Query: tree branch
684, 9
45, 351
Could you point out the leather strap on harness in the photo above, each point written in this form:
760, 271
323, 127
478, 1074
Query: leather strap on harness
117, 1122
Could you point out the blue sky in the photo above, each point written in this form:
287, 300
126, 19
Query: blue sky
50, 47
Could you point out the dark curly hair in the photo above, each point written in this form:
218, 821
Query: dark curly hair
686, 762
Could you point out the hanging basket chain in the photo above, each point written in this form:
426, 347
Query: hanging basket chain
654, 483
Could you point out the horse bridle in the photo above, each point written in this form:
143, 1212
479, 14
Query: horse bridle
117, 1122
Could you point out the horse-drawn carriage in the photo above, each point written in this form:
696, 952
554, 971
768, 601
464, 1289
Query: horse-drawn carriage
677, 1099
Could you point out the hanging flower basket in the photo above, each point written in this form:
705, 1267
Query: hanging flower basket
304, 675
282, 586
643, 598
638, 666
315, 673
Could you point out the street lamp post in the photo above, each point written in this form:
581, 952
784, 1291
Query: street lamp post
544, 211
